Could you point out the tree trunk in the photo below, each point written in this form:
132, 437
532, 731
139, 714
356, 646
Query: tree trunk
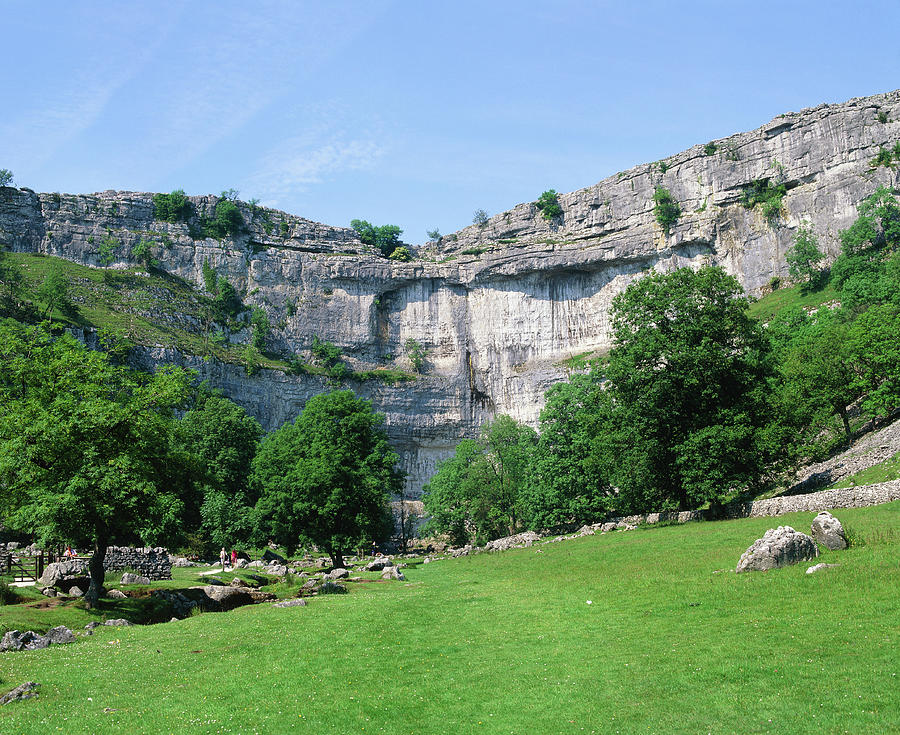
97, 573
843, 414
337, 559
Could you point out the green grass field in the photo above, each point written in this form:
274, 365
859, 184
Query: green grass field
770, 305
672, 642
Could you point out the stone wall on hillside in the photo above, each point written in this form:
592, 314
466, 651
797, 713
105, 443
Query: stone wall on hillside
154, 563
498, 308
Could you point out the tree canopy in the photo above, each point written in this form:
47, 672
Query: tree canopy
325, 478
85, 453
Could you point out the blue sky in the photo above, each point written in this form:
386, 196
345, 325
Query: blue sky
409, 113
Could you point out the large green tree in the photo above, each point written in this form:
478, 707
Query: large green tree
478, 491
85, 445
568, 479
689, 379
325, 478
222, 439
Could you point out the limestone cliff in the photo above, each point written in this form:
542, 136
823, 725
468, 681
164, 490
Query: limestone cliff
498, 307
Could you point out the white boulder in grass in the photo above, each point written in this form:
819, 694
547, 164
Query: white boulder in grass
779, 547
828, 531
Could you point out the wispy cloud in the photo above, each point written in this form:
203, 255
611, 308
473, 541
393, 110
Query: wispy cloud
295, 164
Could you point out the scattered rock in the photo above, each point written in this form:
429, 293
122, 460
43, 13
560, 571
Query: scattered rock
129, 578
260, 596
181, 604
25, 691
279, 570
332, 588
118, 622
48, 592
117, 595
269, 555
93, 624
527, 538
828, 531
75, 591
60, 635
238, 582
393, 573
13, 640
376, 565
182, 562
778, 547
60, 570
339, 573
241, 563
816, 567
607, 527
228, 598
291, 603
462, 551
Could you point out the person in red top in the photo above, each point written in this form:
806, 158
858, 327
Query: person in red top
233, 558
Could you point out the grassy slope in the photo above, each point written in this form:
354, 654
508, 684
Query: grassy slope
771, 304
884, 471
507, 643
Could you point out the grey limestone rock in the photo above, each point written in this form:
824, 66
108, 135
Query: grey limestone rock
129, 578
376, 565
330, 587
778, 547
118, 622
828, 531
23, 691
499, 307
117, 595
392, 573
228, 598
60, 635
339, 573
818, 567
75, 591
291, 603
58, 571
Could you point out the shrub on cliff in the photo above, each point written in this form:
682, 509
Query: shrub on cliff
548, 203
665, 208
174, 207
384, 237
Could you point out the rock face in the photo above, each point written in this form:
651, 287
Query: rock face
498, 307
828, 531
779, 547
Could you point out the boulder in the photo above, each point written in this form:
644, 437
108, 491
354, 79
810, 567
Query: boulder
779, 547
376, 565
129, 578
279, 570
828, 531
61, 570
228, 598
238, 582
269, 555
117, 595
392, 573
13, 640
240, 563
48, 592
118, 622
60, 635
75, 591
182, 562
339, 573
291, 603
526, 538
24, 691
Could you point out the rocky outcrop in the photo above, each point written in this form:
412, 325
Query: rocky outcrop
498, 307
778, 547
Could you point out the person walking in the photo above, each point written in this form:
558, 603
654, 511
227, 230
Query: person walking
223, 557
233, 557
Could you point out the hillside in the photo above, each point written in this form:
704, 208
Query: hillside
498, 308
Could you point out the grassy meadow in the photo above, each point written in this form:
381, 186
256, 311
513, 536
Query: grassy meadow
671, 641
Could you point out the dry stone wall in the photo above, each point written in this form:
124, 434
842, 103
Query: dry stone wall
154, 563
499, 307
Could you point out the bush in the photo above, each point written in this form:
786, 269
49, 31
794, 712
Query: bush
548, 203
710, 148
416, 354
765, 193
480, 218
384, 237
228, 220
402, 254
6, 177
433, 235
666, 208
882, 117
8, 596
882, 158
174, 207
